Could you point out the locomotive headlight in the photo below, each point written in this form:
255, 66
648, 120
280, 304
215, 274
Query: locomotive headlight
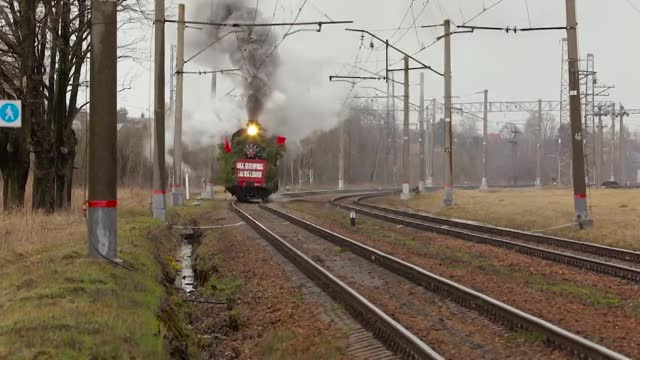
252, 130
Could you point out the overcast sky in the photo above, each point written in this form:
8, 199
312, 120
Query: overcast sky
523, 66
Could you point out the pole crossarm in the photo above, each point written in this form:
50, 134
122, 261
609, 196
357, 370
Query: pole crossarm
514, 29
507, 106
208, 72
237, 25
388, 45
344, 78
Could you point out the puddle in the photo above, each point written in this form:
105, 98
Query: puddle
185, 278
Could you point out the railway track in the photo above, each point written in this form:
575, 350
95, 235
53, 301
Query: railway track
394, 334
597, 258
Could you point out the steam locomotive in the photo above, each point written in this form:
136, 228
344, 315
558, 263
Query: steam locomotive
249, 163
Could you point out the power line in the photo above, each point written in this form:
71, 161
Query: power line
632, 6
482, 12
529, 19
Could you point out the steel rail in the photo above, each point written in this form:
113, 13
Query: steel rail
598, 266
587, 247
395, 337
464, 296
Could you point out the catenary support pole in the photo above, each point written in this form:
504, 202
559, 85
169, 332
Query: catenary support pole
340, 186
622, 175
102, 214
448, 197
159, 177
559, 161
612, 141
214, 84
177, 191
430, 159
421, 135
539, 145
577, 135
405, 173
599, 149
484, 170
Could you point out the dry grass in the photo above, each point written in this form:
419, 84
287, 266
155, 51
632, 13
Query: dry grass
23, 232
615, 211
57, 303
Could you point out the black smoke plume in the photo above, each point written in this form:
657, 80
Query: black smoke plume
252, 49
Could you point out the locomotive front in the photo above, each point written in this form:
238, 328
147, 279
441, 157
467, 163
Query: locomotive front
253, 157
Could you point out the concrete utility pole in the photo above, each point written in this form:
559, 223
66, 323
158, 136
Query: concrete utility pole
484, 173
388, 134
539, 146
177, 194
422, 135
449, 183
431, 145
214, 84
102, 214
612, 141
559, 161
159, 178
577, 136
340, 186
598, 176
405, 174
622, 113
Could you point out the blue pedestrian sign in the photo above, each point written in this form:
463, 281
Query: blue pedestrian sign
10, 113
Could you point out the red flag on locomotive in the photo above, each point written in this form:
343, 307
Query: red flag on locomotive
227, 145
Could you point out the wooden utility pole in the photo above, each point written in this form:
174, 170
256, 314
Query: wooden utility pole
422, 135
177, 191
484, 171
448, 198
577, 136
159, 178
405, 173
539, 145
102, 214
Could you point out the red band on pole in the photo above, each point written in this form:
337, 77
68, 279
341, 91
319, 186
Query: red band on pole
158, 192
580, 195
109, 203
176, 185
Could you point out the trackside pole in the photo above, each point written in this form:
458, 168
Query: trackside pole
159, 177
484, 170
102, 189
405, 174
422, 136
448, 199
177, 191
577, 136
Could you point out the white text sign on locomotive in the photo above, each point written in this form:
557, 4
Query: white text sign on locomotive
251, 171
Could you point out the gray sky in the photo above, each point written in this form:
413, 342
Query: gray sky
523, 66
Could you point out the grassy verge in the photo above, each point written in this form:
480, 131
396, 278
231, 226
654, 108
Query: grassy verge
616, 212
57, 303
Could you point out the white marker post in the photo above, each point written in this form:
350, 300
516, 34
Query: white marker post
187, 186
10, 114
